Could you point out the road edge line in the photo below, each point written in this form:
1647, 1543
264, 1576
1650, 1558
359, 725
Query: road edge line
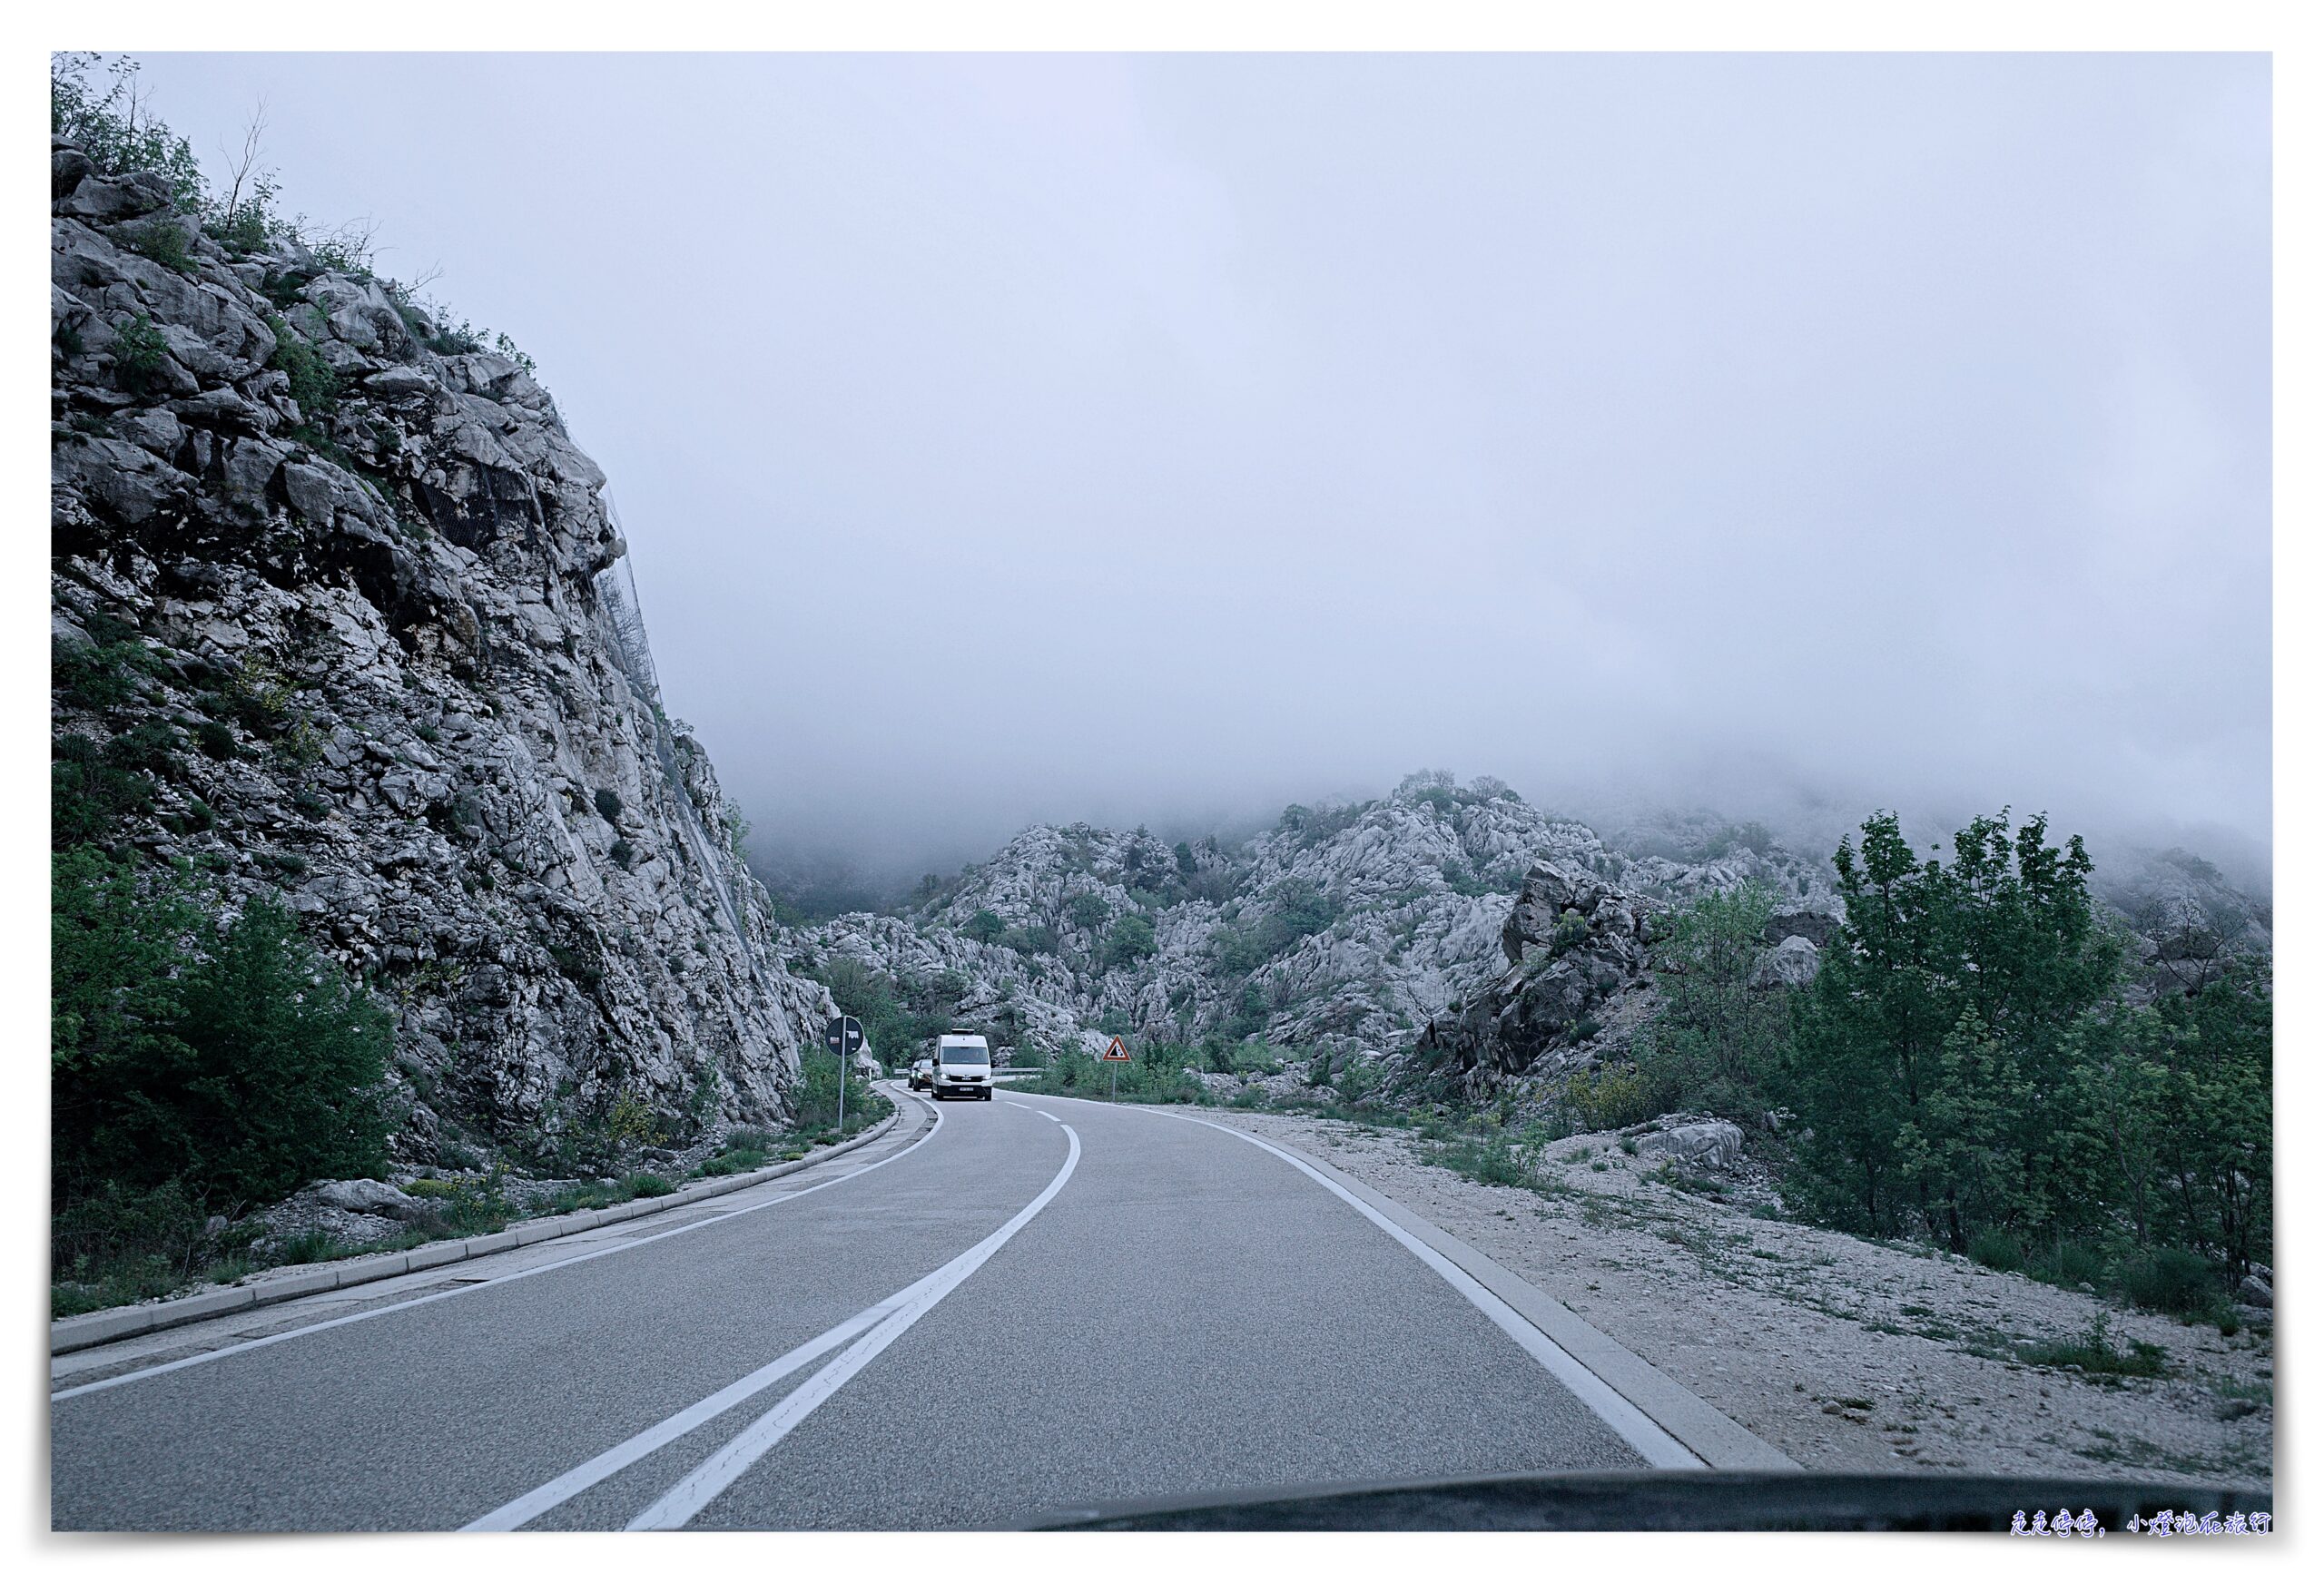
1703, 1429
84, 1330
1720, 1441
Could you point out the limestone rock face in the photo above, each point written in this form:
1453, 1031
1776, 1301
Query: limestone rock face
386, 661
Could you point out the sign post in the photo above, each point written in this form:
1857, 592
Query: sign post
843, 1036
1117, 1051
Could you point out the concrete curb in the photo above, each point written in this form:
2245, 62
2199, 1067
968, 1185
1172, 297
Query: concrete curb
1694, 1423
112, 1324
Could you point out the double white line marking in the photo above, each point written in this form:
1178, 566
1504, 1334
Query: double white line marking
871, 1333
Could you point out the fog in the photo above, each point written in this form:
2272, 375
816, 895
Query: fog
1166, 438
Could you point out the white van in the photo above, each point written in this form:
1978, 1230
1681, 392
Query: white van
963, 1066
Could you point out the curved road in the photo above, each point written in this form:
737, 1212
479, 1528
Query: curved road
999, 1310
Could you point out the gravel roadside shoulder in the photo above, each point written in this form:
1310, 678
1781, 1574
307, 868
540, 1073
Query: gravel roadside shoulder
1847, 1354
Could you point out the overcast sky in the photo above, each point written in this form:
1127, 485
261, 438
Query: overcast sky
1170, 437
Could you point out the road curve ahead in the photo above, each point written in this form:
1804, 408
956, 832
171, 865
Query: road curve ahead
1002, 1308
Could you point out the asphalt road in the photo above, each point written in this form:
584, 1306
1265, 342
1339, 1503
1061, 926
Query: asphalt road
1025, 1305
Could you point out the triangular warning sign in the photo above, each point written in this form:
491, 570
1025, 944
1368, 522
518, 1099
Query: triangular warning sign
1116, 1051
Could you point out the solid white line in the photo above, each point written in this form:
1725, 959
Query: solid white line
387, 1308
684, 1499
558, 1491
1649, 1439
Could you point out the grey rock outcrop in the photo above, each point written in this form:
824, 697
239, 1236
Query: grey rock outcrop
1791, 965
371, 634
1702, 1143
362, 1196
1573, 941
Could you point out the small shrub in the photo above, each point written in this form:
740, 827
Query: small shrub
608, 805
139, 354
165, 242
1039, 940
309, 1247
622, 852
646, 1184
632, 1123
1131, 940
1995, 1249
984, 927
151, 745
1613, 1096
2068, 1262
215, 738
746, 1149
451, 340
584, 971
115, 1244
2172, 1281
103, 673
241, 232
89, 797
2094, 1353
314, 385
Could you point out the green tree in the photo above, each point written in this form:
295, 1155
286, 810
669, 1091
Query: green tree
1931, 1066
984, 926
235, 1060
1716, 1040
283, 1077
1131, 940
1291, 911
871, 997
2177, 1117
118, 939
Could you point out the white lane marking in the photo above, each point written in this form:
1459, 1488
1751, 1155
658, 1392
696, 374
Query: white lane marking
1649, 1439
684, 1499
387, 1308
558, 1491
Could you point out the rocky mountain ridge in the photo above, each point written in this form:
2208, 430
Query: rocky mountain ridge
1343, 930
341, 612
1453, 935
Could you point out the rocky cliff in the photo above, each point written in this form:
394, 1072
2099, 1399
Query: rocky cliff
341, 612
